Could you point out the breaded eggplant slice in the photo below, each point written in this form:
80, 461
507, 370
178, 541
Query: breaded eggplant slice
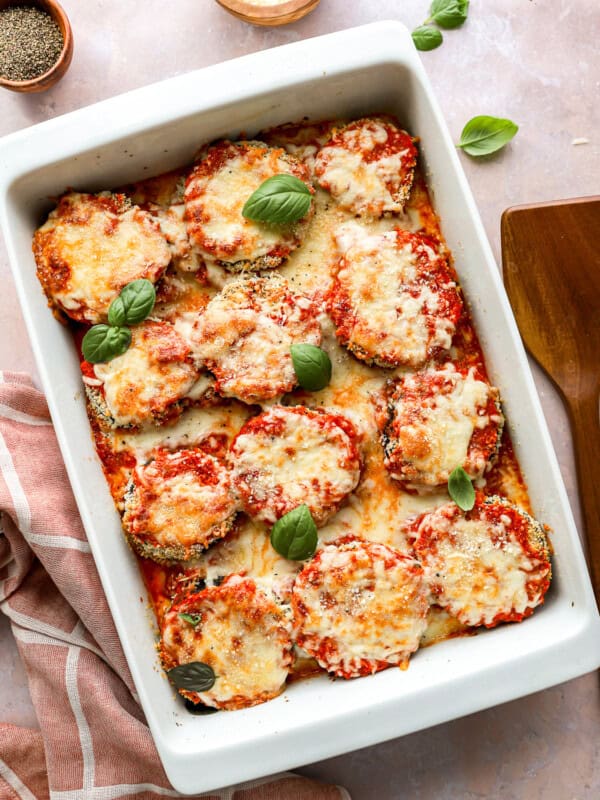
215, 193
147, 383
245, 334
360, 607
368, 166
484, 566
292, 455
178, 504
393, 298
438, 419
237, 631
93, 245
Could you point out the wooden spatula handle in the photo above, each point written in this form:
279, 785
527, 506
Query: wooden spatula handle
583, 410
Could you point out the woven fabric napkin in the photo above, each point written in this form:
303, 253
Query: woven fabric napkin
94, 743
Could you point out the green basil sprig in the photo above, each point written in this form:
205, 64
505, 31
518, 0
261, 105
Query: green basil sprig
427, 38
193, 677
134, 304
484, 135
460, 489
312, 366
191, 619
281, 198
294, 536
448, 13
105, 342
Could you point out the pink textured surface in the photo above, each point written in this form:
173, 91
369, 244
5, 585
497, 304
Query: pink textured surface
534, 61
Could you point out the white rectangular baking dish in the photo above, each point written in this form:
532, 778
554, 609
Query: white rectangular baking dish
372, 68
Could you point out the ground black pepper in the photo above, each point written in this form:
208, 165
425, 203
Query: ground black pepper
30, 42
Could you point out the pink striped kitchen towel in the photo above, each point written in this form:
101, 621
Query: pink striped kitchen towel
93, 742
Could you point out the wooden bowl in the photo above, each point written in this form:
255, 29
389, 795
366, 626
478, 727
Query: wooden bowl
269, 15
55, 73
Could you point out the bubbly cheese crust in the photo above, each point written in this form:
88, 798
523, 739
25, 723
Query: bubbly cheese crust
241, 634
487, 566
91, 247
393, 299
288, 456
438, 419
368, 167
360, 607
178, 504
215, 193
245, 334
147, 382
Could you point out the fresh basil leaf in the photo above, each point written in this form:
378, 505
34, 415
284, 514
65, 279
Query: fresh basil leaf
461, 489
117, 315
105, 342
281, 198
448, 13
136, 301
484, 135
312, 366
294, 536
193, 677
192, 619
427, 38
198, 709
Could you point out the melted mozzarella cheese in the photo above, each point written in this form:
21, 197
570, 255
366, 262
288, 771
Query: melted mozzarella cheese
302, 464
360, 185
247, 550
196, 427
435, 436
480, 567
308, 267
246, 333
224, 234
395, 307
360, 602
150, 376
242, 635
185, 508
102, 251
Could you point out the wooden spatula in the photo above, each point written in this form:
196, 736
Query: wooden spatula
551, 260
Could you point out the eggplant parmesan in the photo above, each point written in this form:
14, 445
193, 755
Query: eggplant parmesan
368, 166
178, 504
237, 631
486, 566
208, 436
245, 334
360, 607
394, 299
92, 246
215, 193
288, 456
437, 419
147, 383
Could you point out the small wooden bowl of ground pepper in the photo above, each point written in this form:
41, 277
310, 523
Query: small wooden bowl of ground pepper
36, 44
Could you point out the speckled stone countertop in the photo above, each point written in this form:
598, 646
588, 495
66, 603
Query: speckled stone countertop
535, 61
